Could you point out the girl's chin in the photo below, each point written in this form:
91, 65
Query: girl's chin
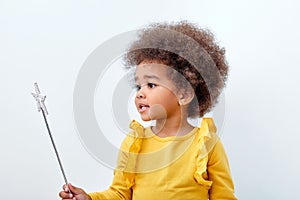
148, 117
147, 120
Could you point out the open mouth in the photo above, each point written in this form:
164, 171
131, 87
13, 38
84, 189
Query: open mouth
143, 107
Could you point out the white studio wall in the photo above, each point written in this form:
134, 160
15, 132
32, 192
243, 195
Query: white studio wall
48, 42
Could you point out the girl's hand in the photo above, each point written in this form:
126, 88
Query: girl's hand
77, 193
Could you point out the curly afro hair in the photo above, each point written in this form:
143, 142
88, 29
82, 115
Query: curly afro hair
191, 51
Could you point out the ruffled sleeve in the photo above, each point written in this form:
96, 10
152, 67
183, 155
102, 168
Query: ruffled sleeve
137, 135
206, 139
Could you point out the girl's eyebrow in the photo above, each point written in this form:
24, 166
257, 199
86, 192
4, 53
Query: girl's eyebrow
148, 77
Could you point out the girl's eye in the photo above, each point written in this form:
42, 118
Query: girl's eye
137, 87
151, 85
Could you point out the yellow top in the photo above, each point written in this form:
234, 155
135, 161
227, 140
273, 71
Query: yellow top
189, 167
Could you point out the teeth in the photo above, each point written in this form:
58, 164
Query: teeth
143, 107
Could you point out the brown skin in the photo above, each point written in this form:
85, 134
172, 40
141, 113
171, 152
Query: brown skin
77, 193
158, 99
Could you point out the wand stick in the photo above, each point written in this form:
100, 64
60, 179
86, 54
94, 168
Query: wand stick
40, 99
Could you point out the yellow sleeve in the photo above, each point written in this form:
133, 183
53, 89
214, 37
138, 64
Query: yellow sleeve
219, 173
119, 189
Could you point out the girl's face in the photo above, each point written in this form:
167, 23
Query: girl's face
156, 93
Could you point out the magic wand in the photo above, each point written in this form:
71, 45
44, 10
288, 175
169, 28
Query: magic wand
40, 100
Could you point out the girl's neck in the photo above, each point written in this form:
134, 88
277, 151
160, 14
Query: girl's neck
172, 127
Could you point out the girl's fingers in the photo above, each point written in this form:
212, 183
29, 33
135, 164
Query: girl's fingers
65, 188
65, 195
75, 190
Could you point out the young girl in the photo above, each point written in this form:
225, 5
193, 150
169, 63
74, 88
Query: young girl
180, 72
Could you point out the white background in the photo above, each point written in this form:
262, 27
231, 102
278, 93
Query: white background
48, 41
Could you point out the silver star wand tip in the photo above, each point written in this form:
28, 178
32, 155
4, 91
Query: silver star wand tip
40, 99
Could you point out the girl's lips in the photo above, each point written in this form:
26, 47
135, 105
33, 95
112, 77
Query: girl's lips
142, 108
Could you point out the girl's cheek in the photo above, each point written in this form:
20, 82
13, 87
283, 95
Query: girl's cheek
157, 111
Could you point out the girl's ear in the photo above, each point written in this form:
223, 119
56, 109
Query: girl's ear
186, 96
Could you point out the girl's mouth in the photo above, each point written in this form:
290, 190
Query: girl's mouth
143, 107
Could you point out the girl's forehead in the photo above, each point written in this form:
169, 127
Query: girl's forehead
151, 69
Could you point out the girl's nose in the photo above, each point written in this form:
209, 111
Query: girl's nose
140, 95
